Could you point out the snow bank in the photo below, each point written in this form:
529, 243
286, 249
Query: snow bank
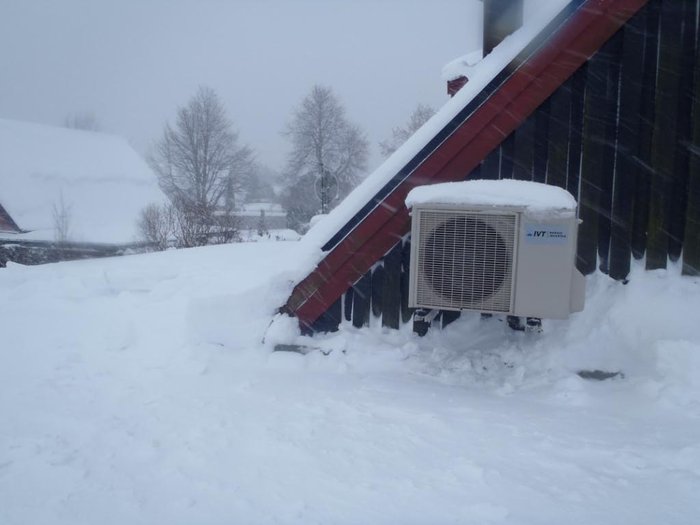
646, 330
137, 390
533, 197
103, 182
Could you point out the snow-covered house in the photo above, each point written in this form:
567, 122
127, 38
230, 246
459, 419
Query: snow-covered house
253, 215
80, 187
596, 96
7, 225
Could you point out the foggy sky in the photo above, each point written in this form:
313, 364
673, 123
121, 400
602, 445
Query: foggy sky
133, 62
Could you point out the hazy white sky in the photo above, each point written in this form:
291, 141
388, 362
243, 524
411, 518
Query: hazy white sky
132, 62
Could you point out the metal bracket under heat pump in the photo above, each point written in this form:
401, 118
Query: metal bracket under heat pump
422, 319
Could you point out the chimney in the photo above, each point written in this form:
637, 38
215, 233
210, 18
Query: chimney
501, 18
456, 84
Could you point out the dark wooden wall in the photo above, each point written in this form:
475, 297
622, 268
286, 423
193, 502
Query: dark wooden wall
622, 135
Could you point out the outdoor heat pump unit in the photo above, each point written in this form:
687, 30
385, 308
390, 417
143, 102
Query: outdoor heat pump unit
505, 247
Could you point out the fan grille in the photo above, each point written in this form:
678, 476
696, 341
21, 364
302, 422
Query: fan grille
465, 260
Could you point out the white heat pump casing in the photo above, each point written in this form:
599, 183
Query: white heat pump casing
495, 260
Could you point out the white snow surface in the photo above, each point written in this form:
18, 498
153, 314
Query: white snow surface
534, 197
480, 76
137, 390
103, 182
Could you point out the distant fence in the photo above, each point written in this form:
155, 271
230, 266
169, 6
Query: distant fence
622, 135
43, 252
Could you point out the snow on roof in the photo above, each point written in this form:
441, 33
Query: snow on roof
270, 208
103, 182
462, 66
534, 197
481, 74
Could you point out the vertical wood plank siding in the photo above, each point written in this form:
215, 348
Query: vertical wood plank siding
642, 189
592, 163
507, 157
612, 52
628, 146
391, 296
524, 149
679, 197
573, 179
347, 305
559, 135
541, 154
663, 150
406, 312
691, 246
377, 290
362, 296
491, 167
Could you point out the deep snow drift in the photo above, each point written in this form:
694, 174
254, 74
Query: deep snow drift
136, 390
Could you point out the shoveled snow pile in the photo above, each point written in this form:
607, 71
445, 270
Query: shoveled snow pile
97, 178
534, 197
137, 390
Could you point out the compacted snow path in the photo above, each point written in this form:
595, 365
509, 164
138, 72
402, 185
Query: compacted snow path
136, 390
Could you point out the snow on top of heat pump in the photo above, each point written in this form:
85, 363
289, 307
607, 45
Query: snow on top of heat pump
534, 197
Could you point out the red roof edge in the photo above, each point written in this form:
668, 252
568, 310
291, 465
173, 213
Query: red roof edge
7, 224
591, 24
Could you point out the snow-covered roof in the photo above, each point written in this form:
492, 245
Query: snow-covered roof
102, 181
255, 209
533, 197
480, 76
271, 209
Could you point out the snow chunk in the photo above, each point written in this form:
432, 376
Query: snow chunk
316, 219
534, 197
462, 66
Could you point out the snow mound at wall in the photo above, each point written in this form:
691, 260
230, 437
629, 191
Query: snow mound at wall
645, 330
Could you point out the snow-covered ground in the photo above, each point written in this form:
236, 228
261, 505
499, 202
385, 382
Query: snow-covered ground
136, 390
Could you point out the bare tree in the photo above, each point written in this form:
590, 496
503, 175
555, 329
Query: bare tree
156, 225
200, 165
258, 186
62, 216
327, 158
401, 134
191, 229
85, 120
